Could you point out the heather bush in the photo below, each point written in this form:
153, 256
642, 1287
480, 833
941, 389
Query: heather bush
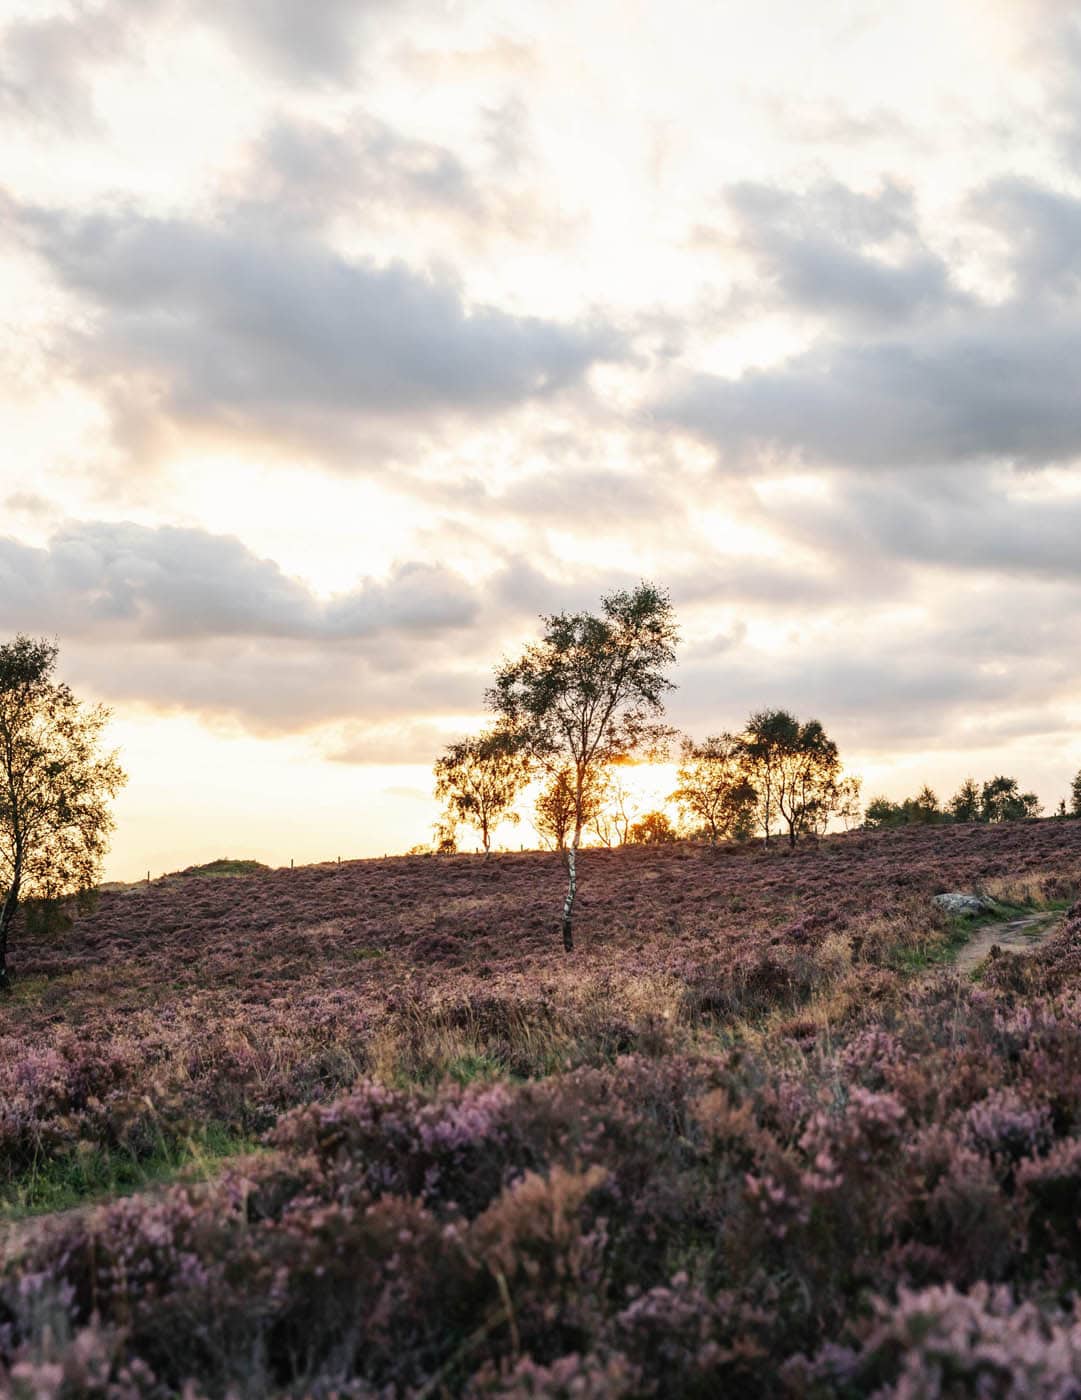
940, 1342
732, 1151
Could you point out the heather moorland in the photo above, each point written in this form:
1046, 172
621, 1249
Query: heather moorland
383, 1137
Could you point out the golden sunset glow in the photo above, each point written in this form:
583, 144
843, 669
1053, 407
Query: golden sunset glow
339, 344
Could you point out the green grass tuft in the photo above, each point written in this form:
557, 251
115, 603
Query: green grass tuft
95, 1173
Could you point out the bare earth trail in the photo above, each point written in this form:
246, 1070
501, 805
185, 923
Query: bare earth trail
1022, 935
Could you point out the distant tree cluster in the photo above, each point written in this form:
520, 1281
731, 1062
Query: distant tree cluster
1000, 799
583, 704
779, 775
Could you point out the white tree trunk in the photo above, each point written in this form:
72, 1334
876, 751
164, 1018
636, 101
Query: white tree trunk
572, 890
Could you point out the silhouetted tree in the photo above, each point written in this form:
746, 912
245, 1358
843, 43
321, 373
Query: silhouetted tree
589, 692
923, 809
964, 805
54, 785
654, 829
615, 808
881, 813
794, 769
555, 808
714, 792
1002, 801
850, 801
445, 835
479, 780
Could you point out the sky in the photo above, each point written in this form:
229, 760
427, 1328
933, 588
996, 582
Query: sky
338, 342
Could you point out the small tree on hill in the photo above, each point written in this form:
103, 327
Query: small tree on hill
54, 785
588, 693
882, 814
615, 809
714, 793
479, 780
1075, 797
923, 809
850, 801
794, 769
1002, 801
554, 812
654, 829
445, 835
964, 805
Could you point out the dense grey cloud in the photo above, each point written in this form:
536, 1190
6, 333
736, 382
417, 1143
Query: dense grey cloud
966, 522
222, 327
183, 620
834, 251
1000, 387
295, 38
48, 64
288, 688
909, 371
1042, 231
305, 172
128, 582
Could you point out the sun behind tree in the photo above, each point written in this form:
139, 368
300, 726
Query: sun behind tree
54, 785
589, 693
479, 779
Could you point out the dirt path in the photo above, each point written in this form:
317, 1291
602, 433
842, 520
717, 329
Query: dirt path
1015, 936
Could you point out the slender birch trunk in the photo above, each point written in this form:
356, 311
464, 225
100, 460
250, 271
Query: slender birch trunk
572, 890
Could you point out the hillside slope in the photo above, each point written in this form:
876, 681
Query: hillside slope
689, 1158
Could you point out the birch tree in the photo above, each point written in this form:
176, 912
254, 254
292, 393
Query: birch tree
479, 779
590, 692
794, 768
556, 806
714, 791
54, 785
616, 809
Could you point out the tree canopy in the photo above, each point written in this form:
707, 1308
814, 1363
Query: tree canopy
54, 784
794, 768
714, 794
588, 693
479, 779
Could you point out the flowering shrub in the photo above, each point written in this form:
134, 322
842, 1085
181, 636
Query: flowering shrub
940, 1342
683, 1166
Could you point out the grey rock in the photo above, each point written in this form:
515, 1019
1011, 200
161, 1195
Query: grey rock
958, 905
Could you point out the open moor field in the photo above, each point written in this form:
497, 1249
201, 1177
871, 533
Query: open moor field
756, 1138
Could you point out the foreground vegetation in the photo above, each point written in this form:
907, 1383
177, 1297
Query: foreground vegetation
759, 1142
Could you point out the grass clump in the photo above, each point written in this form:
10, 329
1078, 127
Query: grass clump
224, 868
94, 1172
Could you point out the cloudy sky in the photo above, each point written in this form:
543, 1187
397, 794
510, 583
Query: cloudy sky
340, 340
